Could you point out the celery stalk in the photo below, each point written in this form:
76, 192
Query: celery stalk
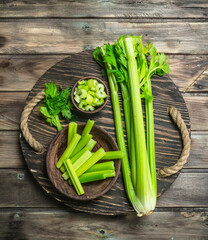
72, 129
91, 161
91, 144
95, 176
88, 127
79, 154
151, 137
62, 168
68, 151
102, 167
82, 143
112, 155
144, 187
81, 158
75, 180
120, 136
80, 161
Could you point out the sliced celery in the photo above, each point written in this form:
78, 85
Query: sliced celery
91, 161
82, 143
68, 151
88, 127
91, 144
72, 129
95, 176
102, 166
75, 180
113, 155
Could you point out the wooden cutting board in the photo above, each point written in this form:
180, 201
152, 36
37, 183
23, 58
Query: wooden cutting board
167, 136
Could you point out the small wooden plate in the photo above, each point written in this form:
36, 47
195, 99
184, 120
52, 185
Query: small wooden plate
97, 109
92, 189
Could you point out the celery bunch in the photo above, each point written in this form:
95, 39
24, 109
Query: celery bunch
131, 64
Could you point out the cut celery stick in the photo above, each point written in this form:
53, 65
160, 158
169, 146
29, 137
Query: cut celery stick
95, 176
78, 163
62, 168
79, 154
75, 180
72, 129
113, 155
91, 144
82, 143
88, 127
70, 148
102, 167
91, 161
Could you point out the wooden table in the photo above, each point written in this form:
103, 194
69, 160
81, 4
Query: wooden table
33, 37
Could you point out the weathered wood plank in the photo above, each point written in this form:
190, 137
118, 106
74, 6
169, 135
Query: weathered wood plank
197, 107
10, 151
21, 190
105, 9
65, 36
12, 103
20, 73
54, 224
11, 157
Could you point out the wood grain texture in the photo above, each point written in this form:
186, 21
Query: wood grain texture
65, 36
20, 73
12, 104
21, 190
197, 114
11, 156
105, 9
168, 139
94, 189
53, 224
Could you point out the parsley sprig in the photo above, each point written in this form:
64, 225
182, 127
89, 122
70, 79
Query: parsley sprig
56, 102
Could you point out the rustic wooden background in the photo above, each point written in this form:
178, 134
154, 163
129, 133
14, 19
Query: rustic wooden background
34, 35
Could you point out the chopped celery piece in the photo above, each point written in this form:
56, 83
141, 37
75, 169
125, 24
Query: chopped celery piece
92, 93
82, 104
82, 93
82, 143
72, 129
91, 144
77, 98
82, 82
95, 176
78, 163
100, 87
73, 177
68, 151
89, 108
100, 102
113, 155
88, 127
89, 99
102, 166
62, 169
79, 154
101, 94
92, 83
91, 161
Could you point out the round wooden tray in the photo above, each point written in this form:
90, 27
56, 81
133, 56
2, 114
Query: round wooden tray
167, 136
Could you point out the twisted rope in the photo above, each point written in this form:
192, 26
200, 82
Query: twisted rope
24, 125
168, 171
165, 172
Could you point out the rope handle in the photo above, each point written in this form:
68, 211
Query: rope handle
24, 124
165, 172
